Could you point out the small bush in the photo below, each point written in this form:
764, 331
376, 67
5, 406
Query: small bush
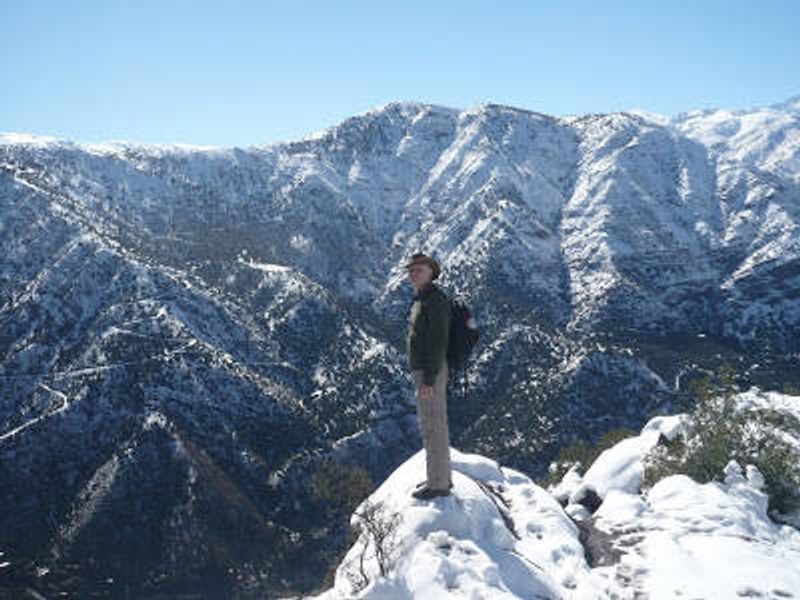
718, 431
380, 529
791, 389
340, 488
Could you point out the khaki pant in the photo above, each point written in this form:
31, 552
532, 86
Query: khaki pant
432, 417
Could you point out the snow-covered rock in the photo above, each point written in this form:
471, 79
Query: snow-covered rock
712, 540
620, 467
499, 535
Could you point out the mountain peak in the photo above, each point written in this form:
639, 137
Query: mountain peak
409, 107
393, 111
791, 104
493, 109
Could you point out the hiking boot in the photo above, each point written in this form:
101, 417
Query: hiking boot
422, 484
424, 493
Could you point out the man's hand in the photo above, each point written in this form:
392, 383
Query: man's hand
426, 392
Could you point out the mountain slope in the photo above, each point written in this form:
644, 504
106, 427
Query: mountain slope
241, 311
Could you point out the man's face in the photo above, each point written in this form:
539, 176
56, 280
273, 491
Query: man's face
420, 274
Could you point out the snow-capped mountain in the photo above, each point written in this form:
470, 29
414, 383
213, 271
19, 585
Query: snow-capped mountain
213, 322
500, 535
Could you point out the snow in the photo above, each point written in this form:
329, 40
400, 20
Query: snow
647, 115
688, 536
110, 147
65, 403
459, 546
13, 137
620, 467
265, 267
755, 398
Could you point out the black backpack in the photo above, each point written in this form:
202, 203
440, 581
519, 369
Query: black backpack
463, 334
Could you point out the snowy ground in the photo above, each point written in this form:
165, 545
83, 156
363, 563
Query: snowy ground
499, 535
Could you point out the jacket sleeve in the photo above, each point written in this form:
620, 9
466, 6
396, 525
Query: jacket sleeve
436, 338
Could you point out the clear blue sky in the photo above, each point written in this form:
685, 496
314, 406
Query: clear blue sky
239, 73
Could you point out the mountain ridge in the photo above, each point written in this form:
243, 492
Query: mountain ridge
256, 300
790, 103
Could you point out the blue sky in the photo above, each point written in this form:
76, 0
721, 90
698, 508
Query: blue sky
239, 73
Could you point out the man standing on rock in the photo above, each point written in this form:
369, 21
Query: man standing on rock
426, 344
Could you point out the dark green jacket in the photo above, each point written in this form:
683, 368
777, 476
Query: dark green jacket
428, 330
